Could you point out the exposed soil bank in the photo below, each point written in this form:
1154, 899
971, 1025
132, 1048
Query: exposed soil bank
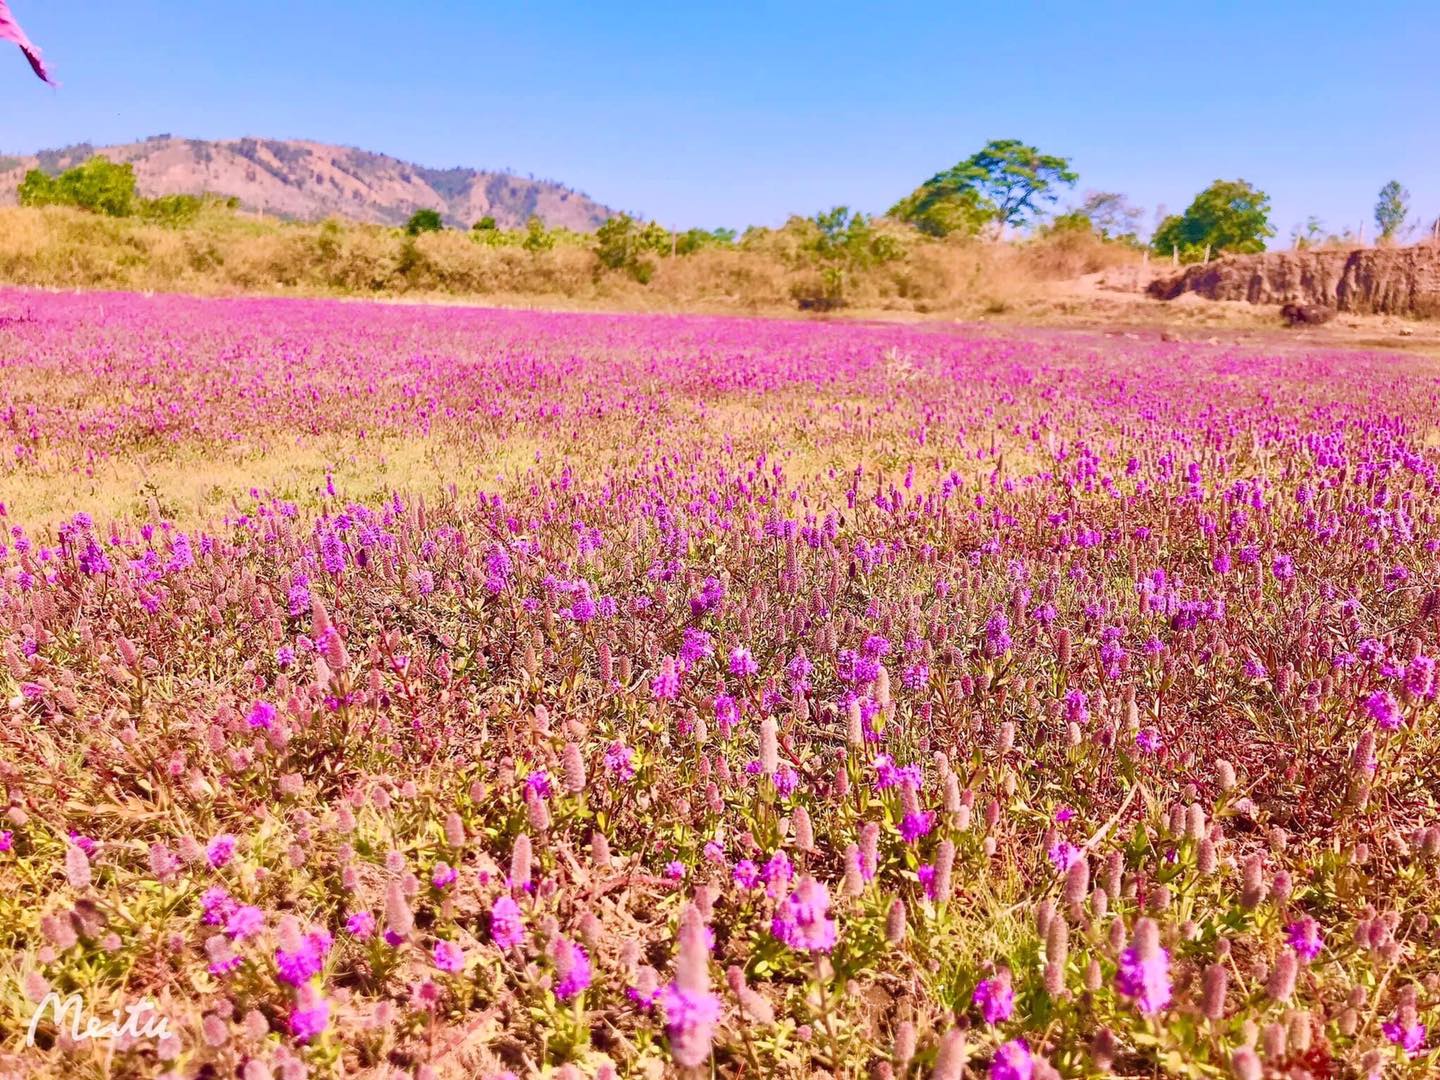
1387, 281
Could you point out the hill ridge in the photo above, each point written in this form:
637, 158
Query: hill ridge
307, 180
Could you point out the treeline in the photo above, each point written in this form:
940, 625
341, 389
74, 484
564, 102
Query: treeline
864, 265
102, 186
88, 226
1007, 188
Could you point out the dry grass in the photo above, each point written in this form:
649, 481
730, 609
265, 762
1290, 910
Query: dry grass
225, 254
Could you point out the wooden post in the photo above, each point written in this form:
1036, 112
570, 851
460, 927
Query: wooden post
1174, 255
1207, 253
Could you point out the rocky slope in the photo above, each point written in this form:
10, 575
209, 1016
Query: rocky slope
310, 180
1387, 281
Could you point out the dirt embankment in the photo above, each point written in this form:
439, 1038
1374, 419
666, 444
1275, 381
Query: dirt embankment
1386, 281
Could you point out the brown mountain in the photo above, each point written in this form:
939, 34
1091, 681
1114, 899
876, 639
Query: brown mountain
295, 178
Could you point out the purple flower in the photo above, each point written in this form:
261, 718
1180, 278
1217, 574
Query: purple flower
538, 783
1420, 677
802, 920
619, 762
300, 965
449, 957
443, 875
1145, 970
507, 925
217, 905
690, 1016
778, 871
1012, 1061
888, 775
1304, 937
916, 824
309, 1018
1384, 710
572, 968
708, 599
1405, 1032
1064, 855
7, 840
997, 634
1148, 740
742, 664
666, 685
695, 646
332, 554
995, 998
915, 677
219, 851
786, 780
361, 924
727, 712
262, 715
799, 671
245, 922
746, 874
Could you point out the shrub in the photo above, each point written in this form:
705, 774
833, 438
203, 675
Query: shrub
424, 221
99, 185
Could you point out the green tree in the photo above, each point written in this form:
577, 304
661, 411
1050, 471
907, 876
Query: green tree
945, 206
422, 221
621, 243
485, 224
99, 185
1005, 183
843, 236
837, 243
1229, 216
536, 236
693, 240
1391, 209
172, 211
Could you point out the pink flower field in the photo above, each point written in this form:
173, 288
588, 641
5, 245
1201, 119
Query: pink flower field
428, 692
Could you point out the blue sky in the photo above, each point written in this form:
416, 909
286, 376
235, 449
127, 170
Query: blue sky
737, 113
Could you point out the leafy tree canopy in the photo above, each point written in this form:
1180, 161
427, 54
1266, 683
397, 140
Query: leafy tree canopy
1007, 183
943, 206
1391, 209
99, 185
693, 240
424, 221
1228, 217
537, 237
843, 236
